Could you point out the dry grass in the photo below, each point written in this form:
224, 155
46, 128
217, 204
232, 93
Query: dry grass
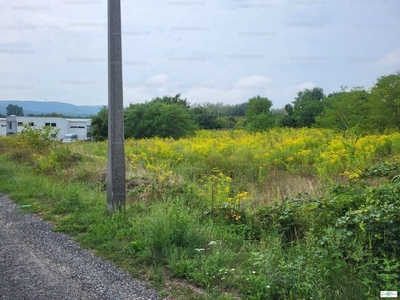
280, 184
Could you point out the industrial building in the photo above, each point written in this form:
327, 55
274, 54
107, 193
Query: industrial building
14, 124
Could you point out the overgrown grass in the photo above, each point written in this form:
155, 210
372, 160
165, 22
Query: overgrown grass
200, 220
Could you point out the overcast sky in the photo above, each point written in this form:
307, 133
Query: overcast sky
209, 51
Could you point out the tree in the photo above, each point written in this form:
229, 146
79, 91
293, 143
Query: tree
99, 126
228, 122
173, 100
258, 114
173, 121
344, 110
239, 110
205, 118
13, 109
135, 121
307, 106
158, 118
218, 109
288, 119
385, 102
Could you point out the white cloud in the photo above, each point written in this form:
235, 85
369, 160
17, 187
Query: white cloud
294, 89
392, 59
161, 78
253, 81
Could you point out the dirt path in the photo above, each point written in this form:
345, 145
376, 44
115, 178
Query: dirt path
37, 263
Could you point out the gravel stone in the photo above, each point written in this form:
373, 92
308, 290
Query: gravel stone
37, 263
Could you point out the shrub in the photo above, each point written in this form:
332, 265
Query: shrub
39, 139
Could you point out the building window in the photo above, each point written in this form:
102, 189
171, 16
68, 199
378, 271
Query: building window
46, 124
81, 127
20, 124
3, 125
10, 125
53, 125
31, 124
73, 126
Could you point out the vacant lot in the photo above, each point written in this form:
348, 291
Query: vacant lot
285, 214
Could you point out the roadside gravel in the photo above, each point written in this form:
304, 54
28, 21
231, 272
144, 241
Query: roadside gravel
37, 263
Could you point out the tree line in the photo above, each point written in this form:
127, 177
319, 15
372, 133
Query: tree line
171, 116
370, 111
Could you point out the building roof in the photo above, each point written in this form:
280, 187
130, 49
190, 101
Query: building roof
78, 120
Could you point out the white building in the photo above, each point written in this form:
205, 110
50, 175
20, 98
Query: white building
14, 124
3, 126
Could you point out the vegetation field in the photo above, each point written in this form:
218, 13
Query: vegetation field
282, 214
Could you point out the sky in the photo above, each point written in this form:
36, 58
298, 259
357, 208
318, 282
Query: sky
208, 51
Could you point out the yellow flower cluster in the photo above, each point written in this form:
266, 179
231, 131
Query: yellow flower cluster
351, 175
321, 151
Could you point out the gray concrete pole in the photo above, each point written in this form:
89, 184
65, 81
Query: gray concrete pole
116, 152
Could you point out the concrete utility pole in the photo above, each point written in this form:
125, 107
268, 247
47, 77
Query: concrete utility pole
116, 152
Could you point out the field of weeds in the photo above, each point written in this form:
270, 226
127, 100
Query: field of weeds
284, 214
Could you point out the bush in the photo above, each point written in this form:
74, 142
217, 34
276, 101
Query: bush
354, 226
39, 139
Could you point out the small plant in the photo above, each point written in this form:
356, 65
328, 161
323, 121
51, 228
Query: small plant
216, 188
64, 157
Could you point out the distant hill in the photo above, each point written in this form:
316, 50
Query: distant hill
42, 107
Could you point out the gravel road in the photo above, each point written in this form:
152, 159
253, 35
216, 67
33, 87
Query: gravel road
37, 263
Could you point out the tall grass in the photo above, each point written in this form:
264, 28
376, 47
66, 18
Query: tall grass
219, 215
